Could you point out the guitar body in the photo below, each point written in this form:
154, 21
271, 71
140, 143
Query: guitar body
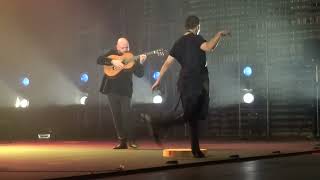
128, 59
112, 71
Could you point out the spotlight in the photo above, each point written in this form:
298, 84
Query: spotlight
25, 81
156, 75
157, 99
21, 103
247, 71
248, 98
84, 77
83, 100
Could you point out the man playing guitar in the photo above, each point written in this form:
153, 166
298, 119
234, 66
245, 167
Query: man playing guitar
119, 90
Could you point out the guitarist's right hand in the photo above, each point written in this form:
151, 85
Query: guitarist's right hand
118, 64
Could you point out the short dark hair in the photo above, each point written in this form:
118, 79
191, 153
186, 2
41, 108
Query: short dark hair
192, 22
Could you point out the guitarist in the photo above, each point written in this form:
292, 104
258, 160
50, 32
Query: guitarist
119, 92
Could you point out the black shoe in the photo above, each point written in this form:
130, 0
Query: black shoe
133, 145
198, 154
121, 146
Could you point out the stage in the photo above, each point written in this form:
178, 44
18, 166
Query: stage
97, 159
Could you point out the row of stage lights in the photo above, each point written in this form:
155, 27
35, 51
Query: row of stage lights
22, 102
248, 97
84, 78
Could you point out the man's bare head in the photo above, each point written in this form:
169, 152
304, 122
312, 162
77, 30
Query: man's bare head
123, 45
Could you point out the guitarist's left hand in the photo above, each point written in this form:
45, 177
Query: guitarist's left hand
143, 58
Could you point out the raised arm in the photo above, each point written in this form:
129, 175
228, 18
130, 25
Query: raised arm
213, 42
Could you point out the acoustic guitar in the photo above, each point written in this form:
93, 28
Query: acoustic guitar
128, 59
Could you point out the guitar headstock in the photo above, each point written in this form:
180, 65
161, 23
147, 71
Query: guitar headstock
160, 52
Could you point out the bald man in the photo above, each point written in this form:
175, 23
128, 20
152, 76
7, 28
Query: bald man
119, 92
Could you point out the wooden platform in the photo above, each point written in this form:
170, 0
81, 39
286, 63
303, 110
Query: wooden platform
180, 153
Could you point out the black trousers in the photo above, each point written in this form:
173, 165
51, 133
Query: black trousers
195, 108
121, 108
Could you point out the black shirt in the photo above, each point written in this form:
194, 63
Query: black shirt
194, 73
122, 84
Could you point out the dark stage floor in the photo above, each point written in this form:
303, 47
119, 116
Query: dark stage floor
301, 167
45, 160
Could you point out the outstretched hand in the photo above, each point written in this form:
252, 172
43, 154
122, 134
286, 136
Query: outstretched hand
225, 33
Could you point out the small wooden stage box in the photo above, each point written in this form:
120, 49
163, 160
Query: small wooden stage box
180, 152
